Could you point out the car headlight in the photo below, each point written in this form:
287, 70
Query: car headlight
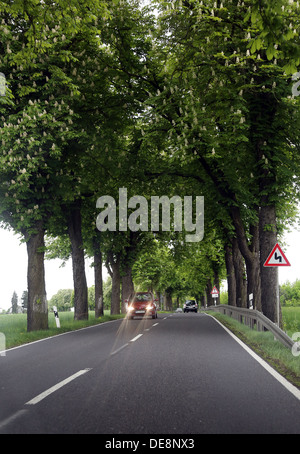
130, 308
149, 307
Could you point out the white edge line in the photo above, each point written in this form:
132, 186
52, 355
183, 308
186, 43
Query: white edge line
136, 338
54, 388
155, 324
295, 391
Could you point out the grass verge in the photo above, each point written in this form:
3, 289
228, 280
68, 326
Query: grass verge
14, 327
263, 343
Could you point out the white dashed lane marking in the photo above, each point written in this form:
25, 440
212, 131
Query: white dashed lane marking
54, 388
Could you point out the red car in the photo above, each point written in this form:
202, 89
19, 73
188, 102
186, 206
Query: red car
142, 304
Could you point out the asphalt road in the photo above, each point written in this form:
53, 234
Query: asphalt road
178, 374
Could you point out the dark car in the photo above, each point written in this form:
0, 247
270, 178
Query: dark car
142, 304
190, 306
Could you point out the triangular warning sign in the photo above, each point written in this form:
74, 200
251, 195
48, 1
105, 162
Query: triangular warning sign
215, 291
277, 258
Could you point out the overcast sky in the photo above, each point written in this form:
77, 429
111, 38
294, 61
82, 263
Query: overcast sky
13, 268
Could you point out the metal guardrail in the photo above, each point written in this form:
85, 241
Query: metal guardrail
250, 317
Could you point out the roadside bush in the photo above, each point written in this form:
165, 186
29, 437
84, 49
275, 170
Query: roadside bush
290, 294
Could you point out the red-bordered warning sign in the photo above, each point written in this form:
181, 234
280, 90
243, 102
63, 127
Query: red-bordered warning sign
277, 258
215, 291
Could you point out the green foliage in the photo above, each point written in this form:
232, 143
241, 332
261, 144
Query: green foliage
24, 299
276, 25
14, 303
107, 288
182, 269
291, 319
223, 297
48, 139
196, 100
58, 247
290, 294
62, 300
219, 118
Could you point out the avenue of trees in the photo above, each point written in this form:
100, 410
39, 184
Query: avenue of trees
163, 98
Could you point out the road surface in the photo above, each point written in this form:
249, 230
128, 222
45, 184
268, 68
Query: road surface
178, 374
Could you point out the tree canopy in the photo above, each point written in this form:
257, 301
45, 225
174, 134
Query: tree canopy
183, 97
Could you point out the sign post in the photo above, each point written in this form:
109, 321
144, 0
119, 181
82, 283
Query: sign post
251, 301
277, 258
215, 294
56, 317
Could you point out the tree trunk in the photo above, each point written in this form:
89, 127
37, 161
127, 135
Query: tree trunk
164, 303
253, 283
240, 278
114, 271
251, 256
217, 285
231, 282
269, 275
37, 307
79, 277
98, 280
169, 304
209, 298
203, 300
158, 296
127, 287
